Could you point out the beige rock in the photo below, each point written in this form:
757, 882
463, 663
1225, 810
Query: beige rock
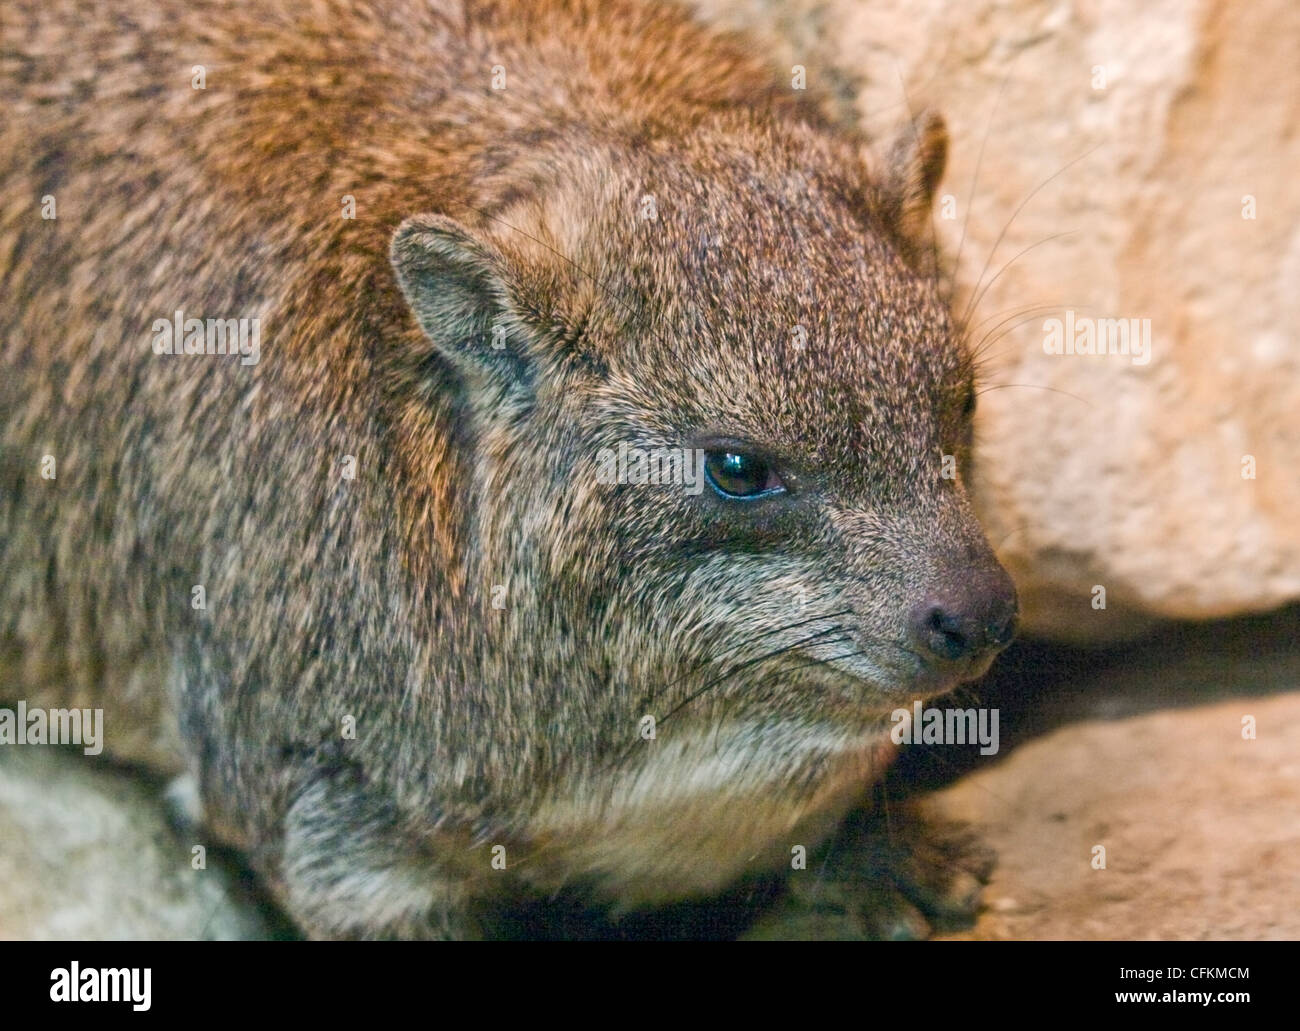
87, 853
1201, 829
1140, 130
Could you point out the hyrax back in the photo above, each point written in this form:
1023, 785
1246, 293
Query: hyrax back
362, 578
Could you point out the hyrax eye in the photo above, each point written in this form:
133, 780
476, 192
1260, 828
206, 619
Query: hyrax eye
736, 475
968, 406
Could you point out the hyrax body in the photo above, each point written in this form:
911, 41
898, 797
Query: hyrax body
364, 580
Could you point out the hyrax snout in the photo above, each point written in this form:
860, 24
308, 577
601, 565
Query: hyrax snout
968, 618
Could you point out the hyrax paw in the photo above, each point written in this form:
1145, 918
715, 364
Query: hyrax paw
904, 880
942, 870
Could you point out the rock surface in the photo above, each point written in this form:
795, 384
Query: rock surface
1140, 130
88, 852
1200, 825
1201, 829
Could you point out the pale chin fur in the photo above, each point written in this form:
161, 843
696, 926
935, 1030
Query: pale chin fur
708, 805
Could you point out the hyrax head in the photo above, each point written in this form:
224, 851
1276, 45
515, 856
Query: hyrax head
720, 420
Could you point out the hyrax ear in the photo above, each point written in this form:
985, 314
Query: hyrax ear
913, 167
456, 284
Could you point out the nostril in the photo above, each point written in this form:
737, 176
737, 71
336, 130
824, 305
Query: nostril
946, 635
964, 624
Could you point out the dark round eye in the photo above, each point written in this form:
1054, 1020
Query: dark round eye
968, 408
734, 475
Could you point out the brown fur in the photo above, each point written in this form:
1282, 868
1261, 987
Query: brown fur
372, 597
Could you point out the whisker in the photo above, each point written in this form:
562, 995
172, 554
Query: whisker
1007, 313
1005, 326
826, 662
648, 699
1006, 537
1035, 386
747, 664
980, 294
1021, 207
975, 180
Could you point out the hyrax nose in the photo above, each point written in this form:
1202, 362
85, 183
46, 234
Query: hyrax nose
967, 619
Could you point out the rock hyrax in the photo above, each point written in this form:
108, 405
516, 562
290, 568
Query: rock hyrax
366, 578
